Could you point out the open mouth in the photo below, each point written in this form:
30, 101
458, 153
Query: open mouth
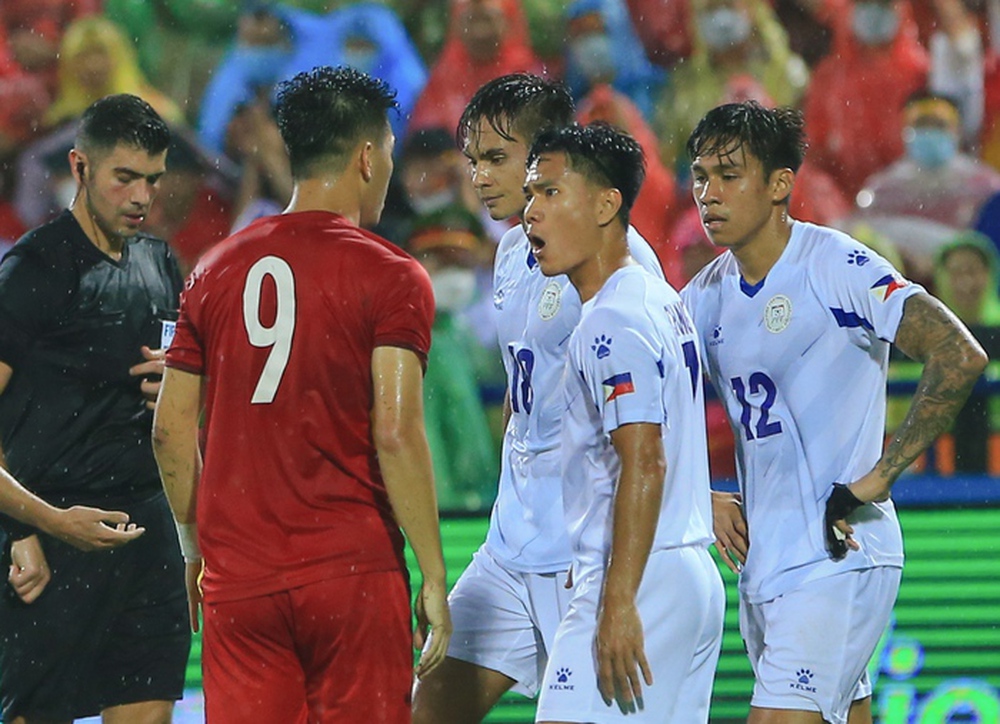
712, 222
537, 243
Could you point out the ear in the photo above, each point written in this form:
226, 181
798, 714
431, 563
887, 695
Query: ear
782, 180
365, 160
608, 204
77, 164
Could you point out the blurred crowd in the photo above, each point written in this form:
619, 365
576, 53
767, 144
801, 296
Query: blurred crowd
901, 100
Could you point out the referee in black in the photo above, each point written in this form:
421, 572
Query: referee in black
86, 305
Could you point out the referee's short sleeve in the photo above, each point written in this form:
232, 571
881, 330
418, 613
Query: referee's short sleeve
32, 291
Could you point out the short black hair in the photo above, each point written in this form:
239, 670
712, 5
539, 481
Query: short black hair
322, 113
774, 136
520, 103
601, 153
122, 118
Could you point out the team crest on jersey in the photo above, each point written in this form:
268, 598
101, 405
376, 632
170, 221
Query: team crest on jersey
548, 305
618, 385
887, 285
778, 313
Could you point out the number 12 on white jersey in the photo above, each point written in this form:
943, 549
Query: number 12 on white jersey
279, 335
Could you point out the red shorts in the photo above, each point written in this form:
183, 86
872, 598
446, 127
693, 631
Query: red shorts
339, 650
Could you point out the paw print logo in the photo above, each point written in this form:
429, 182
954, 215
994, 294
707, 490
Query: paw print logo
717, 332
602, 346
563, 674
858, 257
804, 676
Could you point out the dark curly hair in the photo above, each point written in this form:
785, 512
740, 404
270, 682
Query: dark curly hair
324, 112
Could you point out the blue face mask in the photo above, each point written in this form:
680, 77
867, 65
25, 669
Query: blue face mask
260, 65
931, 147
875, 23
723, 28
594, 56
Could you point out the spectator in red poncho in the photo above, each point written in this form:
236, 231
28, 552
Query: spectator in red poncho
486, 39
663, 27
654, 210
31, 31
853, 104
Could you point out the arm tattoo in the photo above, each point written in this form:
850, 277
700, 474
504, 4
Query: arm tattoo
953, 361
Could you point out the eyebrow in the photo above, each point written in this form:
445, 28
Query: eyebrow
540, 184
133, 174
721, 166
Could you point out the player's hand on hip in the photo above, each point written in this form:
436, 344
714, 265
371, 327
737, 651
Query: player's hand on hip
93, 529
153, 365
433, 625
730, 528
192, 581
621, 655
29, 571
839, 506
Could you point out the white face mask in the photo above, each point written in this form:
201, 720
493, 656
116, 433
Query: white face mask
454, 288
723, 28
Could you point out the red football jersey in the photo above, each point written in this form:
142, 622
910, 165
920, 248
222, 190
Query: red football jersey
281, 319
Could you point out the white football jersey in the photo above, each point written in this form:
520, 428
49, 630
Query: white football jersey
634, 358
535, 317
800, 363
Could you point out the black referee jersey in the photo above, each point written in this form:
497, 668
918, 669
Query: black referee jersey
74, 425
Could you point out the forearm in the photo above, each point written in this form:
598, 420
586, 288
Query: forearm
409, 482
178, 459
637, 500
953, 361
175, 441
22, 505
404, 458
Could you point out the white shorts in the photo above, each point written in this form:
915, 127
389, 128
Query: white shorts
681, 602
810, 648
506, 620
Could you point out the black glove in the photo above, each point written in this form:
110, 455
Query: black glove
838, 506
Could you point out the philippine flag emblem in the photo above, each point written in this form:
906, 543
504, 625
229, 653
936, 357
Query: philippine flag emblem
884, 287
617, 386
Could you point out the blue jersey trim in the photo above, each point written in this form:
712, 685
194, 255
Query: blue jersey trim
751, 289
850, 320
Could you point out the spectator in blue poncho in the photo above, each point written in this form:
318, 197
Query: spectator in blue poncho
603, 48
372, 39
258, 60
274, 42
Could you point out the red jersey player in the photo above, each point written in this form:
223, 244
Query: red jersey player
305, 337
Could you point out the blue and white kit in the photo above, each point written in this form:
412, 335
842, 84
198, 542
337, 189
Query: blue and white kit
800, 361
634, 358
509, 628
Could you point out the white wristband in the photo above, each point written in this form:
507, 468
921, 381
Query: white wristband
187, 536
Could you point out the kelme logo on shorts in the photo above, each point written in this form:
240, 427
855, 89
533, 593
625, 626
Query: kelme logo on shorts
803, 681
562, 680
